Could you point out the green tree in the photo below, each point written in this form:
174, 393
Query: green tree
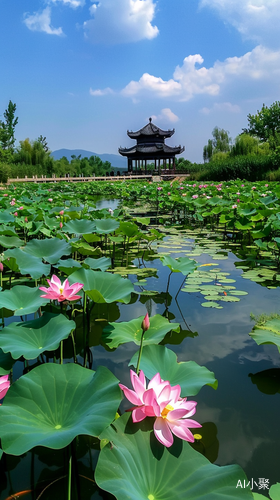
265, 124
219, 144
7, 128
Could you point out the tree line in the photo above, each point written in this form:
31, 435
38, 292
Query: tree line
32, 158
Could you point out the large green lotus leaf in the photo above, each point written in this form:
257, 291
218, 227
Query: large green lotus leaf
79, 226
182, 265
53, 404
188, 374
134, 465
49, 249
6, 217
103, 263
10, 241
31, 338
267, 333
28, 264
6, 362
128, 228
103, 287
22, 299
115, 334
8, 231
106, 226
67, 265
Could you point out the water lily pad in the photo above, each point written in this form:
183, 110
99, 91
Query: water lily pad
53, 404
31, 338
115, 334
215, 305
189, 375
103, 287
135, 465
22, 299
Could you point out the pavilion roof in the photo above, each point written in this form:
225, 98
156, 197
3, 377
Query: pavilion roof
152, 130
149, 149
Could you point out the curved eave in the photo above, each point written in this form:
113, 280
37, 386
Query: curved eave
151, 130
151, 150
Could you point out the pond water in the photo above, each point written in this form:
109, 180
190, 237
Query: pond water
241, 417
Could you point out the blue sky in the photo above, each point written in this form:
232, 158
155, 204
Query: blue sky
82, 72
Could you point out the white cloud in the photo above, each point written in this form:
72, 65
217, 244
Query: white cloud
99, 92
121, 21
166, 115
260, 66
41, 21
222, 106
255, 19
71, 3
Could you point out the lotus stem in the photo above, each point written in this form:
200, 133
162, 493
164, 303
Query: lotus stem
69, 473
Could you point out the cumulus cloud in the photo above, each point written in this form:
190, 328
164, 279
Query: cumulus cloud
166, 115
121, 21
261, 65
100, 92
41, 21
255, 19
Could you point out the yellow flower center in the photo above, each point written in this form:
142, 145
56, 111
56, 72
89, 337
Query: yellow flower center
166, 410
61, 291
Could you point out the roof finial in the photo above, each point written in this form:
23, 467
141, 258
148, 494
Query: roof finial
150, 119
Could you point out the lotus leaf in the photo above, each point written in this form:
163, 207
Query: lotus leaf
106, 226
53, 404
134, 465
51, 250
115, 334
79, 227
28, 264
182, 265
31, 338
103, 287
22, 299
189, 375
267, 333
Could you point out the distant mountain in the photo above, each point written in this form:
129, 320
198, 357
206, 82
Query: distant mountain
116, 161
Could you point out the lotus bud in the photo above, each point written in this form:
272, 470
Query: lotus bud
1, 267
145, 323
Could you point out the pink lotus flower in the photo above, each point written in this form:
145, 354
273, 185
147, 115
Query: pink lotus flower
12, 202
1, 267
159, 399
238, 200
194, 196
61, 212
50, 199
61, 291
234, 206
60, 225
6, 194
20, 208
26, 219
4, 385
145, 323
15, 214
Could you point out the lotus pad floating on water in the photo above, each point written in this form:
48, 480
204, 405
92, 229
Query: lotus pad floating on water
134, 465
31, 338
53, 404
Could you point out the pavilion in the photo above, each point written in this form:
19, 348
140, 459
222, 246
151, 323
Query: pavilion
151, 147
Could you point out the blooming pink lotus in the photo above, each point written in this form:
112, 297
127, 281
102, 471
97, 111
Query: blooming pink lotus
61, 291
4, 385
159, 399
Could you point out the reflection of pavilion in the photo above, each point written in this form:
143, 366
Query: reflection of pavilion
151, 147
